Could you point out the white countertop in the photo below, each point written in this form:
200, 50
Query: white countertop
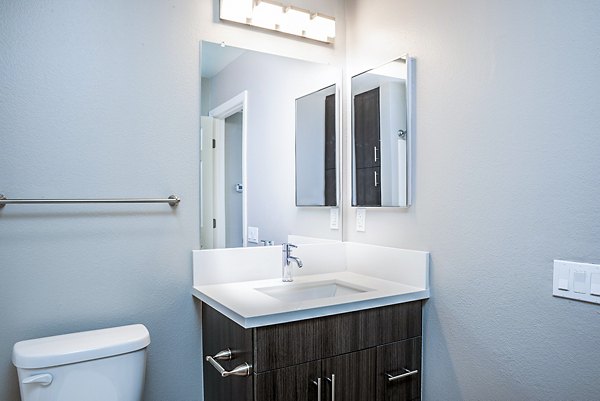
249, 307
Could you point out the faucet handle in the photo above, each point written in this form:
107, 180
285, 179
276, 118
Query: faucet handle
287, 246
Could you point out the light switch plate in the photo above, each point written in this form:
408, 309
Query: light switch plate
361, 219
579, 281
253, 235
334, 218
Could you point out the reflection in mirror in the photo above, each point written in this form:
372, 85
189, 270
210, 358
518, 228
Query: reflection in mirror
381, 134
247, 147
316, 172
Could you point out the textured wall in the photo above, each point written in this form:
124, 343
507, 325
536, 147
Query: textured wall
101, 99
506, 181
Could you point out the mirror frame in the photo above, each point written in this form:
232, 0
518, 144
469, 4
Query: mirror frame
410, 126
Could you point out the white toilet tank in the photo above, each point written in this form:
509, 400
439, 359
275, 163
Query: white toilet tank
98, 365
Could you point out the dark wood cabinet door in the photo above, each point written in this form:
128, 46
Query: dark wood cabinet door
218, 334
367, 129
367, 148
294, 383
330, 152
395, 359
368, 186
351, 377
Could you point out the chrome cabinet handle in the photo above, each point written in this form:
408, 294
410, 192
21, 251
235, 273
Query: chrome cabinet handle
318, 384
375, 153
245, 369
401, 376
375, 175
332, 381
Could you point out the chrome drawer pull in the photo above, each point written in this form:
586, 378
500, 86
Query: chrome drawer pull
402, 376
318, 384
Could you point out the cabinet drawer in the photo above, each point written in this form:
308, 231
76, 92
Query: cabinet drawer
308, 340
396, 359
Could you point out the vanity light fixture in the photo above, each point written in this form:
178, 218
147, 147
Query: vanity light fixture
266, 15
279, 17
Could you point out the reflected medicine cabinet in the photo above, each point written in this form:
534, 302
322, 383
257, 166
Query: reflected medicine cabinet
381, 135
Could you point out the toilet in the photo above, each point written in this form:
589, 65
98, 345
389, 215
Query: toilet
98, 365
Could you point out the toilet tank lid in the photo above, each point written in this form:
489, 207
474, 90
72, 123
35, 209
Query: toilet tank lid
79, 347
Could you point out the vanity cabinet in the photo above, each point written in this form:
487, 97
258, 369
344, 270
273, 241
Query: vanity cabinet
352, 355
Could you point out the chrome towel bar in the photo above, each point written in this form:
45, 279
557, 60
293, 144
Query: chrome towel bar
172, 200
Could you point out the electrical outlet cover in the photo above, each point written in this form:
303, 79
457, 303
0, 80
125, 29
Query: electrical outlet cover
334, 218
253, 235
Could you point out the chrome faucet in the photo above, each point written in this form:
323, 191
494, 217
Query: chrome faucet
286, 259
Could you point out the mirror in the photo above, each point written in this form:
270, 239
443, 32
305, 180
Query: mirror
381, 135
247, 190
316, 145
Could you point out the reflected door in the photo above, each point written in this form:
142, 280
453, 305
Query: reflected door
234, 230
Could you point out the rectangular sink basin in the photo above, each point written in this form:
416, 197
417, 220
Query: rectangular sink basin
309, 291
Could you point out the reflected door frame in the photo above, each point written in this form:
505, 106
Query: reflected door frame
234, 105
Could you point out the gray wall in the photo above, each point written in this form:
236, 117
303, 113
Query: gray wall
507, 166
100, 99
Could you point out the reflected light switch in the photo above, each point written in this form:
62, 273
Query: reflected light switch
595, 284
